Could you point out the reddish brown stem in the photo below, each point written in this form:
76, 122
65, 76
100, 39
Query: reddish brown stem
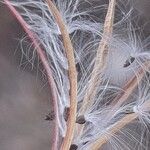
46, 66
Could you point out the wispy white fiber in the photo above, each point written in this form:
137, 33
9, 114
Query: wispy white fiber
128, 53
42, 23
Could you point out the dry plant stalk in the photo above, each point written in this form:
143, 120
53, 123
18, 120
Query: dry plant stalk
100, 65
100, 62
72, 76
46, 66
117, 126
128, 89
101, 58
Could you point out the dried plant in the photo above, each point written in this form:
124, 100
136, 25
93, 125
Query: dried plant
98, 71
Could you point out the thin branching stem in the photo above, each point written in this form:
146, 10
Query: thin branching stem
46, 66
101, 58
72, 75
131, 84
128, 90
118, 126
100, 62
119, 100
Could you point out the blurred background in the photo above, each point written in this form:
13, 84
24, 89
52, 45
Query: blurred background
24, 92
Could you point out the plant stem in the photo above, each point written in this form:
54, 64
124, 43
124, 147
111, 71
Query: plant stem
127, 91
101, 59
72, 75
118, 126
129, 87
100, 63
46, 66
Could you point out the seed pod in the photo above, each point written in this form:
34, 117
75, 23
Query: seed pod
129, 62
129, 110
81, 120
73, 147
50, 116
66, 113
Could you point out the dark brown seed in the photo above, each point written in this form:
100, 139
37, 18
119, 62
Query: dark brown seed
81, 120
129, 62
66, 113
85, 142
50, 116
73, 147
78, 67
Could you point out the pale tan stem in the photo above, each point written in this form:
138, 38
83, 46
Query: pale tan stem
118, 126
72, 76
129, 87
100, 63
128, 90
101, 58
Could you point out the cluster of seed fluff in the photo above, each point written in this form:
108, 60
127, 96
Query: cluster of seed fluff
127, 55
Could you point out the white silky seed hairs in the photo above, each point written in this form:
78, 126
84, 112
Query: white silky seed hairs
116, 99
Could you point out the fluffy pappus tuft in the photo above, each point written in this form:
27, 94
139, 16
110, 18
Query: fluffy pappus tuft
102, 64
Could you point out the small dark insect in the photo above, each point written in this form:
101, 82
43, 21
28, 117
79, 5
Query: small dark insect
73, 147
50, 116
66, 113
129, 62
81, 120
